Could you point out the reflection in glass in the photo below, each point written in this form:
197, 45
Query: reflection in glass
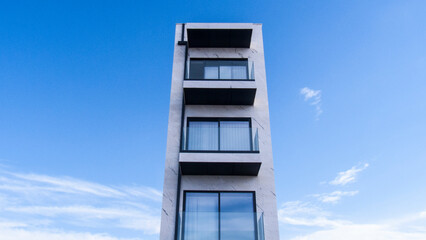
237, 216
224, 216
237, 69
201, 216
220, 136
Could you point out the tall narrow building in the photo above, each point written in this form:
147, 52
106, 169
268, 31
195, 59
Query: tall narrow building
219, 175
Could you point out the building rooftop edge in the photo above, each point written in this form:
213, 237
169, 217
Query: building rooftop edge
221, 23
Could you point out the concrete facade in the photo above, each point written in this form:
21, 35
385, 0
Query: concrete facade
264, 183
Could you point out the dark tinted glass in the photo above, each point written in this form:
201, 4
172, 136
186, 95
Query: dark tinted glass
196, 69
226, 69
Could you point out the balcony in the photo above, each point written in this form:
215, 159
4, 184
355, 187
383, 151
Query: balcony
223, 226
219, 82
220, 151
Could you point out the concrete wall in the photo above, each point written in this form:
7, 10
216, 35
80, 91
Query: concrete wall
264, 183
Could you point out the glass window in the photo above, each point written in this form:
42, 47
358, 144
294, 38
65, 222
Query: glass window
201, 216
219, 135
219, 215
233, 69
203, 135
196, 69
225, 72
234, 136
211, 72
218, 69
237, 216
239, 72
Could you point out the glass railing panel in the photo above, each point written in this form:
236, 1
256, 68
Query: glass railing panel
251, 69
255, 139
220, 225
200, 225
219, 70
237, 139
240, 225
260, 227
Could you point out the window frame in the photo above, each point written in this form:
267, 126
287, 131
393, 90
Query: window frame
218, 194
219, 119
188, 65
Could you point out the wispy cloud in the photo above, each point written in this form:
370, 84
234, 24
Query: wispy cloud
324, 226
310, 221
335, 196
8, 233
306, 214
314, 98
40, 204
375, 231
348, 176
363, 231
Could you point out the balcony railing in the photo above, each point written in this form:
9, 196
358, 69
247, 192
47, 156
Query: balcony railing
223, 70
220, 139
220, 225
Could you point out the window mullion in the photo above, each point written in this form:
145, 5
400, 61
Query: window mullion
219, 214
218, 135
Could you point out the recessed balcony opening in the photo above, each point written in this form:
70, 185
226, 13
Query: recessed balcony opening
220, 216
219, 147
221, 135
219, 82
222, 69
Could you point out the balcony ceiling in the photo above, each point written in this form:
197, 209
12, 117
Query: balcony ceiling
236, 169
214, 96
242, 164
219, 38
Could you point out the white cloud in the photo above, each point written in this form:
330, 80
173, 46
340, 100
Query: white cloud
335, 196
7, 233
318, 224
362, 231
314, 97
129, 218
309, 221
305, 214
348, 176
69, 185
145, 192
35, 182
39, 204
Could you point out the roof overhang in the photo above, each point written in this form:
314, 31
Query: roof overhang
219, 38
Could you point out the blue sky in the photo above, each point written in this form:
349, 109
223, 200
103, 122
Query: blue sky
84, 94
